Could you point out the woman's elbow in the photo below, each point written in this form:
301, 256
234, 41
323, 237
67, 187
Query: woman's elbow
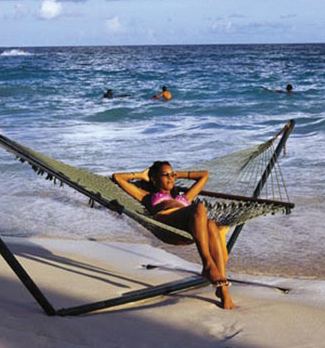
115, 178
206, 174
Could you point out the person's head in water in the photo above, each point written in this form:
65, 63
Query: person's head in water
289, 88
108, 93
164, 88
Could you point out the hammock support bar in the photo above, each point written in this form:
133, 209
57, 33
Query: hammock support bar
25, 279
131, 296
286, 133
138, 295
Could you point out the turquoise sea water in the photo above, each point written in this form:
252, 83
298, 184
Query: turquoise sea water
50, 100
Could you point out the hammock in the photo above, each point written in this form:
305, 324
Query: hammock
228, 209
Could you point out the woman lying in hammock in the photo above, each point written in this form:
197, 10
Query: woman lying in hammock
179, 211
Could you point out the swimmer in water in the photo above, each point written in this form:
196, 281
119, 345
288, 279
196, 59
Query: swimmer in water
109, 95
165, 94
288, 89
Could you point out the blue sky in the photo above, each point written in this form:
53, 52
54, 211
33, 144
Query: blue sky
146, 22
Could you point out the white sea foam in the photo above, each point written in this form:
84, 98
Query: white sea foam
15, 52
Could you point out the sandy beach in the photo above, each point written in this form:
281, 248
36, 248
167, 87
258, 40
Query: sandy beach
76, 272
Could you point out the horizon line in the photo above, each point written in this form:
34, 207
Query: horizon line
169, 45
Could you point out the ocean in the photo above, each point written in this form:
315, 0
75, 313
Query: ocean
224, 100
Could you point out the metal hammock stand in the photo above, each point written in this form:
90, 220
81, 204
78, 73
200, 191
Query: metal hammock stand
164, 289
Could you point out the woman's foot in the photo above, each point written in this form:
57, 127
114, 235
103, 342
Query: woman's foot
226, 300
214, 276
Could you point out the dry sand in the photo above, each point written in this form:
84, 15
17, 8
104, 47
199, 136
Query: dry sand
71, 273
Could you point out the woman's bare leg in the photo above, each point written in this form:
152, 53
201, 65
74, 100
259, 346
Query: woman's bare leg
209, 244
217, 249
223, 230
194, 219
200, 231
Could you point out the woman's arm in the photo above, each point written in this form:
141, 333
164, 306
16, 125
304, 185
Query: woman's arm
123, 180
156, 96
200, 177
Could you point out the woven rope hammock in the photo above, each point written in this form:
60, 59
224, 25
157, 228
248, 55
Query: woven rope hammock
242, 177
251, 182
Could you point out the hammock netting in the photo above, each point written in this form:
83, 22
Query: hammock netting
238, 173
237, 213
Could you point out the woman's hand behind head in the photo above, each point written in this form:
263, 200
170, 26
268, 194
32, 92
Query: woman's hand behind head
145, 175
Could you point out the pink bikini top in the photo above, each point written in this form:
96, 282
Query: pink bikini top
159, 197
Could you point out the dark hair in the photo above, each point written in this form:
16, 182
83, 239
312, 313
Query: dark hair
164, 88
289, 87
108, 94
153, 173
155, 169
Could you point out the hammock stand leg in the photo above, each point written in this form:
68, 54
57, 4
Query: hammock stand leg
138, 295
25, 278
287, 131
129, 297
